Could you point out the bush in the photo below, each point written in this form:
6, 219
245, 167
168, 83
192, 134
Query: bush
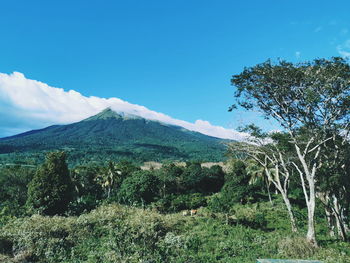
236, 190
108, 234
176, 203
219, 204
250, 217
296, 247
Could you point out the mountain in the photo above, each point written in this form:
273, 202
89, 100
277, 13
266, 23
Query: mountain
111, 135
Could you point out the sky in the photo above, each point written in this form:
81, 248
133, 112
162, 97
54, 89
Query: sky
62, 61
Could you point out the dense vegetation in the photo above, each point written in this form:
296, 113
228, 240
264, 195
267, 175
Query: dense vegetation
281, 194
109, 135
121, 213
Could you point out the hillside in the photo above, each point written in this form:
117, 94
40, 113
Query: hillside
118, 136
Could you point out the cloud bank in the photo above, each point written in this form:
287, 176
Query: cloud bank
27, 104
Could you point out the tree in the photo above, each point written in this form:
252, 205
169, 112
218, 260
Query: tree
168, 176
88, 190
140, 188
334, 187
235, 190
14, 187
237, 183
273, 153
213, 179
51, 189
191, 177
112, 176
257, 173
311, 102
109, 178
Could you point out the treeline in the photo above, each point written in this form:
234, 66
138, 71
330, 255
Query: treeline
53, 189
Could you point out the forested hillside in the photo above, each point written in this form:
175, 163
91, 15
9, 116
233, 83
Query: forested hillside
113, 136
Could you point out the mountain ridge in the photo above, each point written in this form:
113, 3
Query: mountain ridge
118, 135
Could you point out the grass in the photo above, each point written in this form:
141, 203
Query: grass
115, 233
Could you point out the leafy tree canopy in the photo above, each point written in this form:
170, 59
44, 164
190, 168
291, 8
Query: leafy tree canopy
51, 188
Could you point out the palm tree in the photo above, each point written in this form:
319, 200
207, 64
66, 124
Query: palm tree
256, 173
109, 178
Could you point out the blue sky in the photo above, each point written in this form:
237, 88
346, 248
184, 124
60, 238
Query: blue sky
174, 57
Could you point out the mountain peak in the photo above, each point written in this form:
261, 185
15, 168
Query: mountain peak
108, 113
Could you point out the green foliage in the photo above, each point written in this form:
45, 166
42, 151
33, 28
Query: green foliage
169, 176
88, 191
294, 247
191, 177
110, 136
6, 215
185, 187
213, 179
51, 188
108, 234
307, 89
188, 201
233, 229
237, 184
250, 216
13, 191
84, 179
115, 233
235, 190
311, 102
126, 168
140, 188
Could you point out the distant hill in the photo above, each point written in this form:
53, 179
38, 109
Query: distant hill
111, 135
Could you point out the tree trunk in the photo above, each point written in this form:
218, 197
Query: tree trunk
341, 224
109, 192
311, 203
283, 191
309, 192
311, 234
268, 190
290, 212
330, 221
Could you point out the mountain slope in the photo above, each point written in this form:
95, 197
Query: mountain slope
117, 136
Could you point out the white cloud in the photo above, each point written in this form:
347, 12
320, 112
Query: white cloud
28, 104
344, 49
297, 54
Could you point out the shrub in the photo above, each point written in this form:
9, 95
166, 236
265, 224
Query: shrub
251, 217
296, 247
108, 234
188, 201
219, 204
176, 203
